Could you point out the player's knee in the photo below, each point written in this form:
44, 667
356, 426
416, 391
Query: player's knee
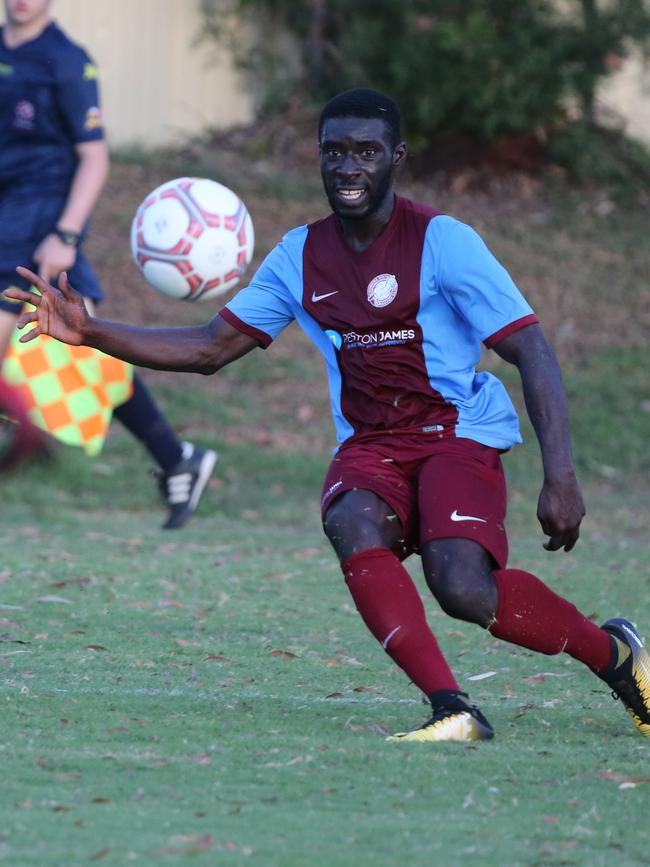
466, 596
349, 533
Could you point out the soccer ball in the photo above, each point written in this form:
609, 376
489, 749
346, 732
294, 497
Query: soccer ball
192, 238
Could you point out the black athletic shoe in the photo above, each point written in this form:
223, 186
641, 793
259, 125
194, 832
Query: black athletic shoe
456, 720
629, 676
183, 485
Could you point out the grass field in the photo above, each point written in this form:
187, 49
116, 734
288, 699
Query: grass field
211, 697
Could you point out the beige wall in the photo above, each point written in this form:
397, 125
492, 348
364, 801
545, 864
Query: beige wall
626, 98
157, 85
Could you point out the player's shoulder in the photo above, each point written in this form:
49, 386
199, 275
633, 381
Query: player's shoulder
70, 56
288, 249
417, 210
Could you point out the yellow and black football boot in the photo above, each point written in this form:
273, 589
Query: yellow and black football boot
629, 674
454, 719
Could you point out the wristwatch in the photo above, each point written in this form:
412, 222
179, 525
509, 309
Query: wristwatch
71, 239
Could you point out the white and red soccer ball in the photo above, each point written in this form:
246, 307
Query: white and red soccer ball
192, 238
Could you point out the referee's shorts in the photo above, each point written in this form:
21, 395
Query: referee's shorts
25, 220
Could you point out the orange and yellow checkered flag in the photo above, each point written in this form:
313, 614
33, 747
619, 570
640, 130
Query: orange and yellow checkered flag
69, 391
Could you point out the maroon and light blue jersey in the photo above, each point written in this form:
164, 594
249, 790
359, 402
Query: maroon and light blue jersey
400, 324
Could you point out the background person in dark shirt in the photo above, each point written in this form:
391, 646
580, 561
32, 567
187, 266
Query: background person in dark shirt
53, 165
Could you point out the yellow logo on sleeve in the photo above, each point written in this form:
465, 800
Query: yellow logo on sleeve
5, 69
91, 73
93, 118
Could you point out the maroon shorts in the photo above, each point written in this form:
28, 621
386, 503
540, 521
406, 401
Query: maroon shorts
439, 488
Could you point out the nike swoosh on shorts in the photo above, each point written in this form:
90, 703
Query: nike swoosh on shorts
456, 517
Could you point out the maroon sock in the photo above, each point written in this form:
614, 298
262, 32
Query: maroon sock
533, 616
391, 608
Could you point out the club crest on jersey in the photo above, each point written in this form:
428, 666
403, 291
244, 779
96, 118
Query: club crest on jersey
24, 115
382, 290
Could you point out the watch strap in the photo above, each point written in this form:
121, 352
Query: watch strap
71, 239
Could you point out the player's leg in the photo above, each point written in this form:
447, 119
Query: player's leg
183, 468
367, 529
364, 531
468, 577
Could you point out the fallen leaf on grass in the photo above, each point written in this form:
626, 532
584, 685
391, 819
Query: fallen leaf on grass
183, 845
363, 689
542, 676
101, 854
335, 695
94, 647
550, 820
200, 759
59, 599
379, 730
284, 654
623, 778
307, 552
219, 658
481, 676
80, 582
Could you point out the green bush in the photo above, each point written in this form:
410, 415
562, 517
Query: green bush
482, 68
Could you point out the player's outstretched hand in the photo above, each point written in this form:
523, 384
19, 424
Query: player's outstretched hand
560, 511
59, 312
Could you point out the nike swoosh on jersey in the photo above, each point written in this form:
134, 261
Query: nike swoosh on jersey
315, 297
456, 517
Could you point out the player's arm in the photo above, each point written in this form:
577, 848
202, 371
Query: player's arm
61, 313
560, 507
87, 183
52, 255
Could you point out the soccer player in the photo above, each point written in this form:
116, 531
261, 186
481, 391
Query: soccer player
53, 165
398, 298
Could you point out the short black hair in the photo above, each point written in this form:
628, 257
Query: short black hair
364, 102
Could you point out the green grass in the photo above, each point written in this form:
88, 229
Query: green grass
211, 697
158, 689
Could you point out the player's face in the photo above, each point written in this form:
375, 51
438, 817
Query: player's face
26, 11
357, 162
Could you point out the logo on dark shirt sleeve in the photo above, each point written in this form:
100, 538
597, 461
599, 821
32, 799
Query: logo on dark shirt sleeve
93, 118
91, 73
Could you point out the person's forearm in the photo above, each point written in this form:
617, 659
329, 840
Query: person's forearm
547, 409
182, 349
544, 395
87, 183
